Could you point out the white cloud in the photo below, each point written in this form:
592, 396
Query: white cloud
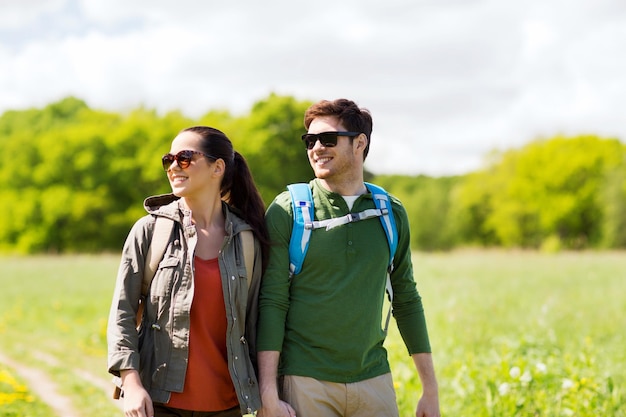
446, 81
16, 14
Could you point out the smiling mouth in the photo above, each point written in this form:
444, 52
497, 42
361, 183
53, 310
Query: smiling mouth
322, 161
178, 178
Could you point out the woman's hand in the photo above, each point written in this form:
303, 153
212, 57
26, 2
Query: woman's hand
137, 401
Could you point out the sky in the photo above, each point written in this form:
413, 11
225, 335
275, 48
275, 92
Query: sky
447, 81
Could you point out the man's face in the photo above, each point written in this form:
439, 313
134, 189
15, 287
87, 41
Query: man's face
330, 162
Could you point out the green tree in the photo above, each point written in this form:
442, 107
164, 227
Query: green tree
427, 202
549, 189
78, 176
43, 185
270, 141
614, 204
75, 179
471, 206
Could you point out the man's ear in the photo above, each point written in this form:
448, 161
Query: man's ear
361, 141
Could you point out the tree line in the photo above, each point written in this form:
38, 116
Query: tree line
73, 179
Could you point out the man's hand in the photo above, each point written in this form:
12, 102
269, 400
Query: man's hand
276, 408
428, 406
273, 406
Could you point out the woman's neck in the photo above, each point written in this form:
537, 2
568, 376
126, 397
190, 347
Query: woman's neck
208, 219
205, 213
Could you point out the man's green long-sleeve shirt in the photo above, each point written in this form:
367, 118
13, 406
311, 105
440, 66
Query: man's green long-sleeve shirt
326, 321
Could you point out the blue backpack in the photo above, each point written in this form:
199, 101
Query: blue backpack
304, 224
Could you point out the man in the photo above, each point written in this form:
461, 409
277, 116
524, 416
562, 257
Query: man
320, 330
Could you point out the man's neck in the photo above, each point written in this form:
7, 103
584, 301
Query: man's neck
354, 187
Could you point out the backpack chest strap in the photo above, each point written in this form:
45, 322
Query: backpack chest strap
348, 218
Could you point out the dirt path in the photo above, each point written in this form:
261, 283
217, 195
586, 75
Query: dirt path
41, 385
39, 382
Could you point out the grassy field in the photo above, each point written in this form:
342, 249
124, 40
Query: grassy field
513, 333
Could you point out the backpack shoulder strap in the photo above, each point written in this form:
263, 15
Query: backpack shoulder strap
247, 242
160, 236
303, 215
383, 203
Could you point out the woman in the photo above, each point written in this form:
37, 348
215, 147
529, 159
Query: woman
195, 349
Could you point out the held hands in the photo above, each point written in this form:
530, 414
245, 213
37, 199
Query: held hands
276, 408
272, 406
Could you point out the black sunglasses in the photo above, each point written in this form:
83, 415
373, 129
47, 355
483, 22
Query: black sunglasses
327, 139
183, 158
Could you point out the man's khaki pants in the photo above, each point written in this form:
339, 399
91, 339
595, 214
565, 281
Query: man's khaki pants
310, 397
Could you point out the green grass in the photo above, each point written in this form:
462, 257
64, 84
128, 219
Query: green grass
57, 307
522, 334
513, 333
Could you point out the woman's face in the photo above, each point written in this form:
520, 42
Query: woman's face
195, 178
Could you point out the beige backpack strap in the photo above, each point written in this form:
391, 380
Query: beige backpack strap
160, 237
156, 250
247, 242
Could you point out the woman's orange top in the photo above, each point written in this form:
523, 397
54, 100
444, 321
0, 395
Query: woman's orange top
208, 385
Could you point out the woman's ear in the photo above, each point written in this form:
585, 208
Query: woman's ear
219, 167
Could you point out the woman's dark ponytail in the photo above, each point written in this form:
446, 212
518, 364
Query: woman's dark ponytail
244, 196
